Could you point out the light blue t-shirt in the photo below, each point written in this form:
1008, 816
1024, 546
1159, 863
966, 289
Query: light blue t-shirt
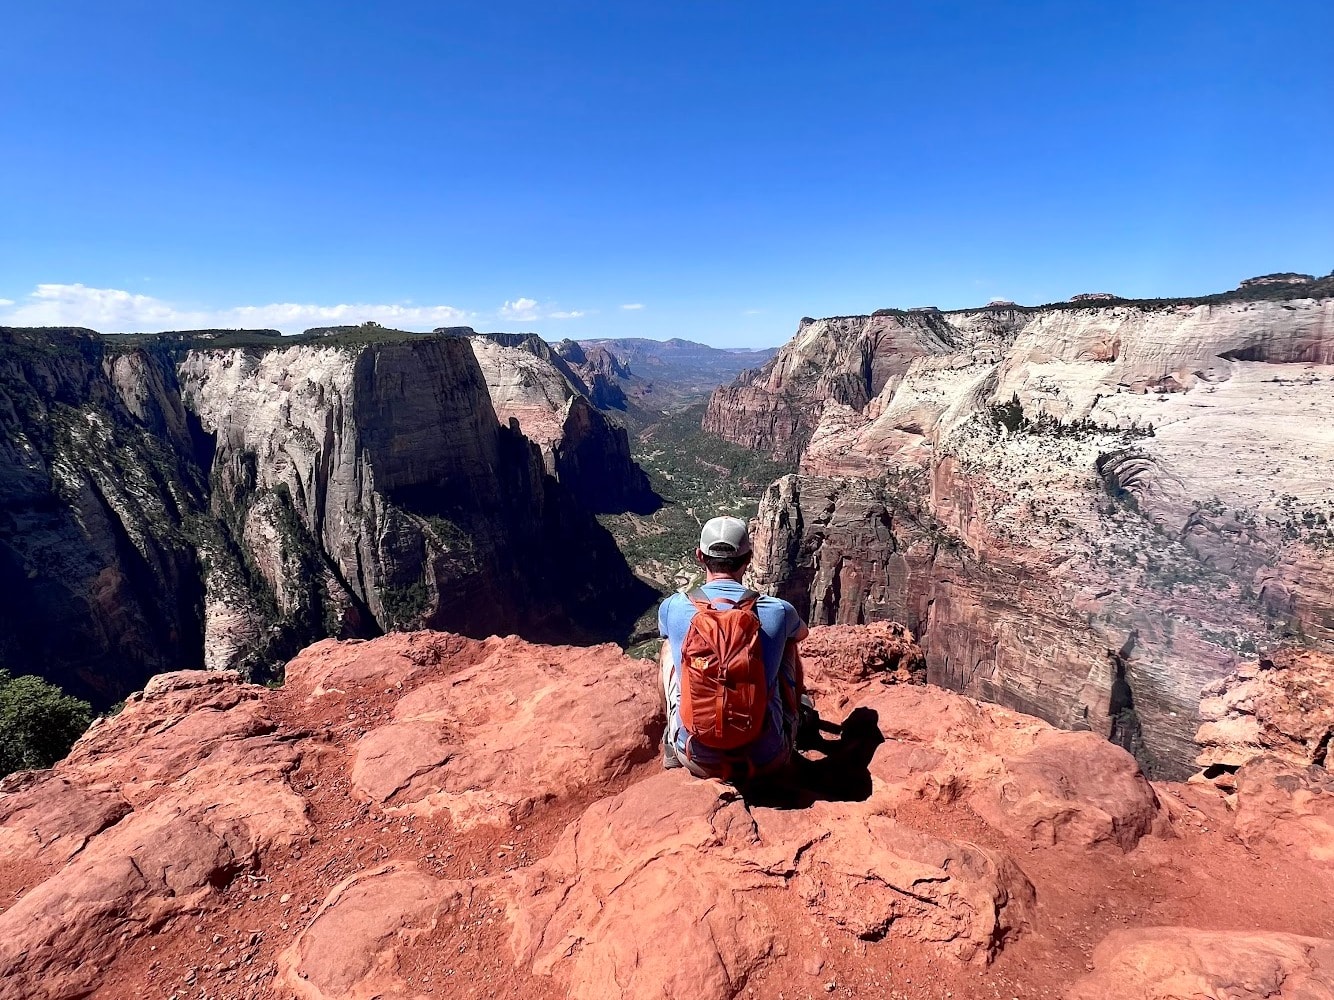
779, 622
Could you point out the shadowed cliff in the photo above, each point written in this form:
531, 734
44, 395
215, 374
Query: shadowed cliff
166, 502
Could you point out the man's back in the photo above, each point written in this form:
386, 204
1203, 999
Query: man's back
779, 623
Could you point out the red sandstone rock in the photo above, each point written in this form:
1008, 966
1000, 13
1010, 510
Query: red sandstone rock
348, 950
1282, 706
1289, 807
51, 818
196, 758
1172, 963
521, 724
661, 892
421, 807
1033, 782
851, 653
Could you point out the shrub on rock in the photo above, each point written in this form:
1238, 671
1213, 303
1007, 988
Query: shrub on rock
38, 722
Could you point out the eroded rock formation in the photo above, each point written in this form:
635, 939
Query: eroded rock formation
558, 408
427, 814
169, 502
99, 498
1087, 512
1282, 706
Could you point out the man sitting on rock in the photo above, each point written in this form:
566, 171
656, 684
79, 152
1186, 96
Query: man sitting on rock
730, 671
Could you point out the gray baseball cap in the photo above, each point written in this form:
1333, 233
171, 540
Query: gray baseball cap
723, 537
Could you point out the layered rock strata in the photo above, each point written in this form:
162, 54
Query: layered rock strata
600, 371
1085, 512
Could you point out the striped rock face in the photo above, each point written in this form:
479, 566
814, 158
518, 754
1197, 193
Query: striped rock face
1086, 512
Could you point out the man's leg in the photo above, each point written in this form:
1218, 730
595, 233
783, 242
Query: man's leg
670, 691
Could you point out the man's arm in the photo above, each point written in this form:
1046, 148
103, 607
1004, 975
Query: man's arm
794, 679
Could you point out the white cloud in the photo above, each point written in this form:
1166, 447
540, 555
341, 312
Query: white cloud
633, 305
112, 310
520, 308
526, 310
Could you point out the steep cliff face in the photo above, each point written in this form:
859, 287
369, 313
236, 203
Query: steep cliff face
642, 379
600, 371
1084, 513
581, 447
847, 360
167, 507
100, 503
413, 502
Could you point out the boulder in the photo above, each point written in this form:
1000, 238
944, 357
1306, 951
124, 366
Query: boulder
1023, 777
1171, 963
1289, 807
1281, 705
520, 725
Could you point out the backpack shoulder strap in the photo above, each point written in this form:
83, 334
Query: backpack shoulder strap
698, 598
747, 599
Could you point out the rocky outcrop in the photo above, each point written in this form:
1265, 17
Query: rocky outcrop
1164, 963
846, 360
1087, 512
425, 805
600, 371
400, 487
175, 502
553, 406
1281, 706
428, 814
1280, 278
1288, 807
643, 379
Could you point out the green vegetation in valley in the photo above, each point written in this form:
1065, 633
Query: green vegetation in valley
698, 475
38, 722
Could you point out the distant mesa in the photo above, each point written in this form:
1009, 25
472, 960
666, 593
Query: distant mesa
207, 334
1278, 278
1094, 297
455, 331
369, 327
999, 303
923, 309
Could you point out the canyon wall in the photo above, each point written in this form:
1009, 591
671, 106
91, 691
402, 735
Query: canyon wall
555, 405
99, 498
170, 503
1088, 513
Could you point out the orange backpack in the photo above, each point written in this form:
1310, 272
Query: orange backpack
724, 690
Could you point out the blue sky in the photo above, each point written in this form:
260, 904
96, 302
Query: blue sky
724, 168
